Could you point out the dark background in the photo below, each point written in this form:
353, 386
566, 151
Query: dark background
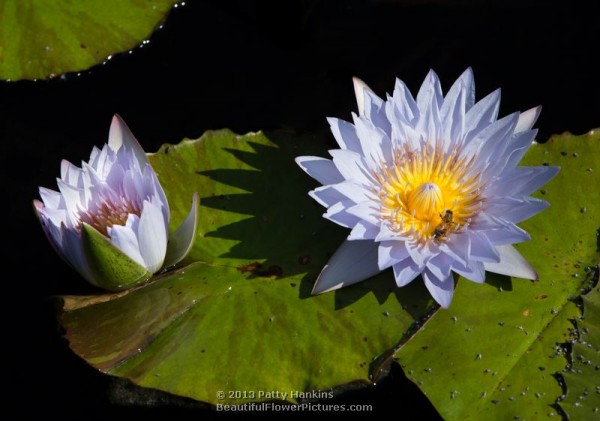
248, 66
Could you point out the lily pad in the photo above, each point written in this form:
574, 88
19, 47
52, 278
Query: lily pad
582, 400
495, 352
236, 322
42, 39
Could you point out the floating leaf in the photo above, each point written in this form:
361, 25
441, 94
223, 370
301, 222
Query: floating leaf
41, 39
239, 317
494, 353
582, 401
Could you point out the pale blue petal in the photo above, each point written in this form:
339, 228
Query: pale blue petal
345, 134
390, 253
375, 143
321, 169
350, 165
363, 230
328, 196
452, 118
69, 173
366, 210
182, 239
475, 272
512, 264
402, 103
481, 248
126, 240
353, 261
482, 114
515, 209
120, 135
521, 181
51, 198
430, 95
527, 119
458, 247
500, 231
406, 271
440, 265
338, 213
152, 236
353, 191
441, 290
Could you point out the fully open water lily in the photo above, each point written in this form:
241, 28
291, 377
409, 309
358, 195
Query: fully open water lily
429, 186
110, 217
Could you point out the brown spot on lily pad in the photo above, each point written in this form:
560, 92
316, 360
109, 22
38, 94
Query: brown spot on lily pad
257, 269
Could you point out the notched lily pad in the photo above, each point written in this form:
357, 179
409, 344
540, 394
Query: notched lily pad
238, 316
494, 353
582, 400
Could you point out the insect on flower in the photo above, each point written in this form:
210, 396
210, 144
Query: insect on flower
428, 185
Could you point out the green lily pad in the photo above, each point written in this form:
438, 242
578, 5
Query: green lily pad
236, 323
42, 39
494, 353
582, 400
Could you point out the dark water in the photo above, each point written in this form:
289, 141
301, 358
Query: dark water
249, 65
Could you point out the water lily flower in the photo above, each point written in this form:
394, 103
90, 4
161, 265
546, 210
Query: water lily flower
428, 186
110, 218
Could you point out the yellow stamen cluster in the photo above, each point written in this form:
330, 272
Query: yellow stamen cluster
428, 193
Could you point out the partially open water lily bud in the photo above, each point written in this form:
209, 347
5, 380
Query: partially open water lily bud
110, 218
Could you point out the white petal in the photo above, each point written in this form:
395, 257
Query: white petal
464, 86
512, 264
321, 169
126, 240
120, 135
405, 271
527, 119
391, 253
354, 261
345, 134
441, 290
152, 236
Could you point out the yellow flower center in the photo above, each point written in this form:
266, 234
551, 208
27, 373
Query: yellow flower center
428, 193
108, 213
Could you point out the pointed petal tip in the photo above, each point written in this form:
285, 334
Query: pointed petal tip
180, 242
